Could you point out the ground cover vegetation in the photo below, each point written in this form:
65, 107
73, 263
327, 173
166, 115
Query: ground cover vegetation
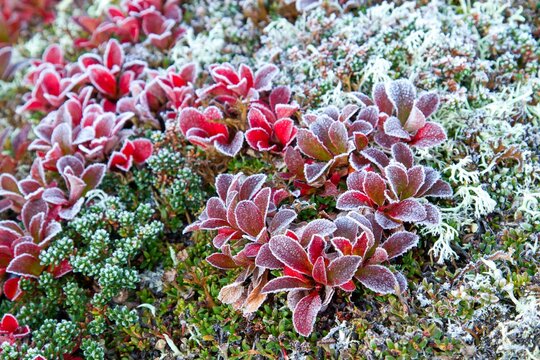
269, 179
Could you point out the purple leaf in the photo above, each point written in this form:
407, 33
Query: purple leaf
399, 243
407, 210
314, 171
305, 313
393, 127
403, 154
266, 259
338, 137
415, 177
221, 261
55, 196
381, 99
428, 103
370, 114
439, 189
311, 146
281, 221
433, 216
377, 278
93, 175
223, 182
251, 185
285, 283
290, 253
397, 177
345, 227
402, 281
215, 209
402, 94
249, 218
377, 157
385, 222
320, 227
232, 148
263, 77
352, 200
374, 186
342, 269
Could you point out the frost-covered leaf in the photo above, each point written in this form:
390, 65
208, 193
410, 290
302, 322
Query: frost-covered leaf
221, 261
305, 313
249, 218
320, 227
407, 210
352, 200
374, 186
430, 135
377, 278
285, 283
402, 94
399, 243
342, 269
428, 103
403, 154
290, 253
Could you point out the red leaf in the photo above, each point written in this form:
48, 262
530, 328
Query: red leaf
103, 80
342, 269
377, 278
285, 283
25, 265
402, 94
285, 131
407, 210
353, 200
249, 218
114, 54
374, 186
11, 289
399, 243
319, 271
258, 139
428, 103
305, 313
221, 261
290, 253
316, 248
431, 134
143, 150
9, 324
